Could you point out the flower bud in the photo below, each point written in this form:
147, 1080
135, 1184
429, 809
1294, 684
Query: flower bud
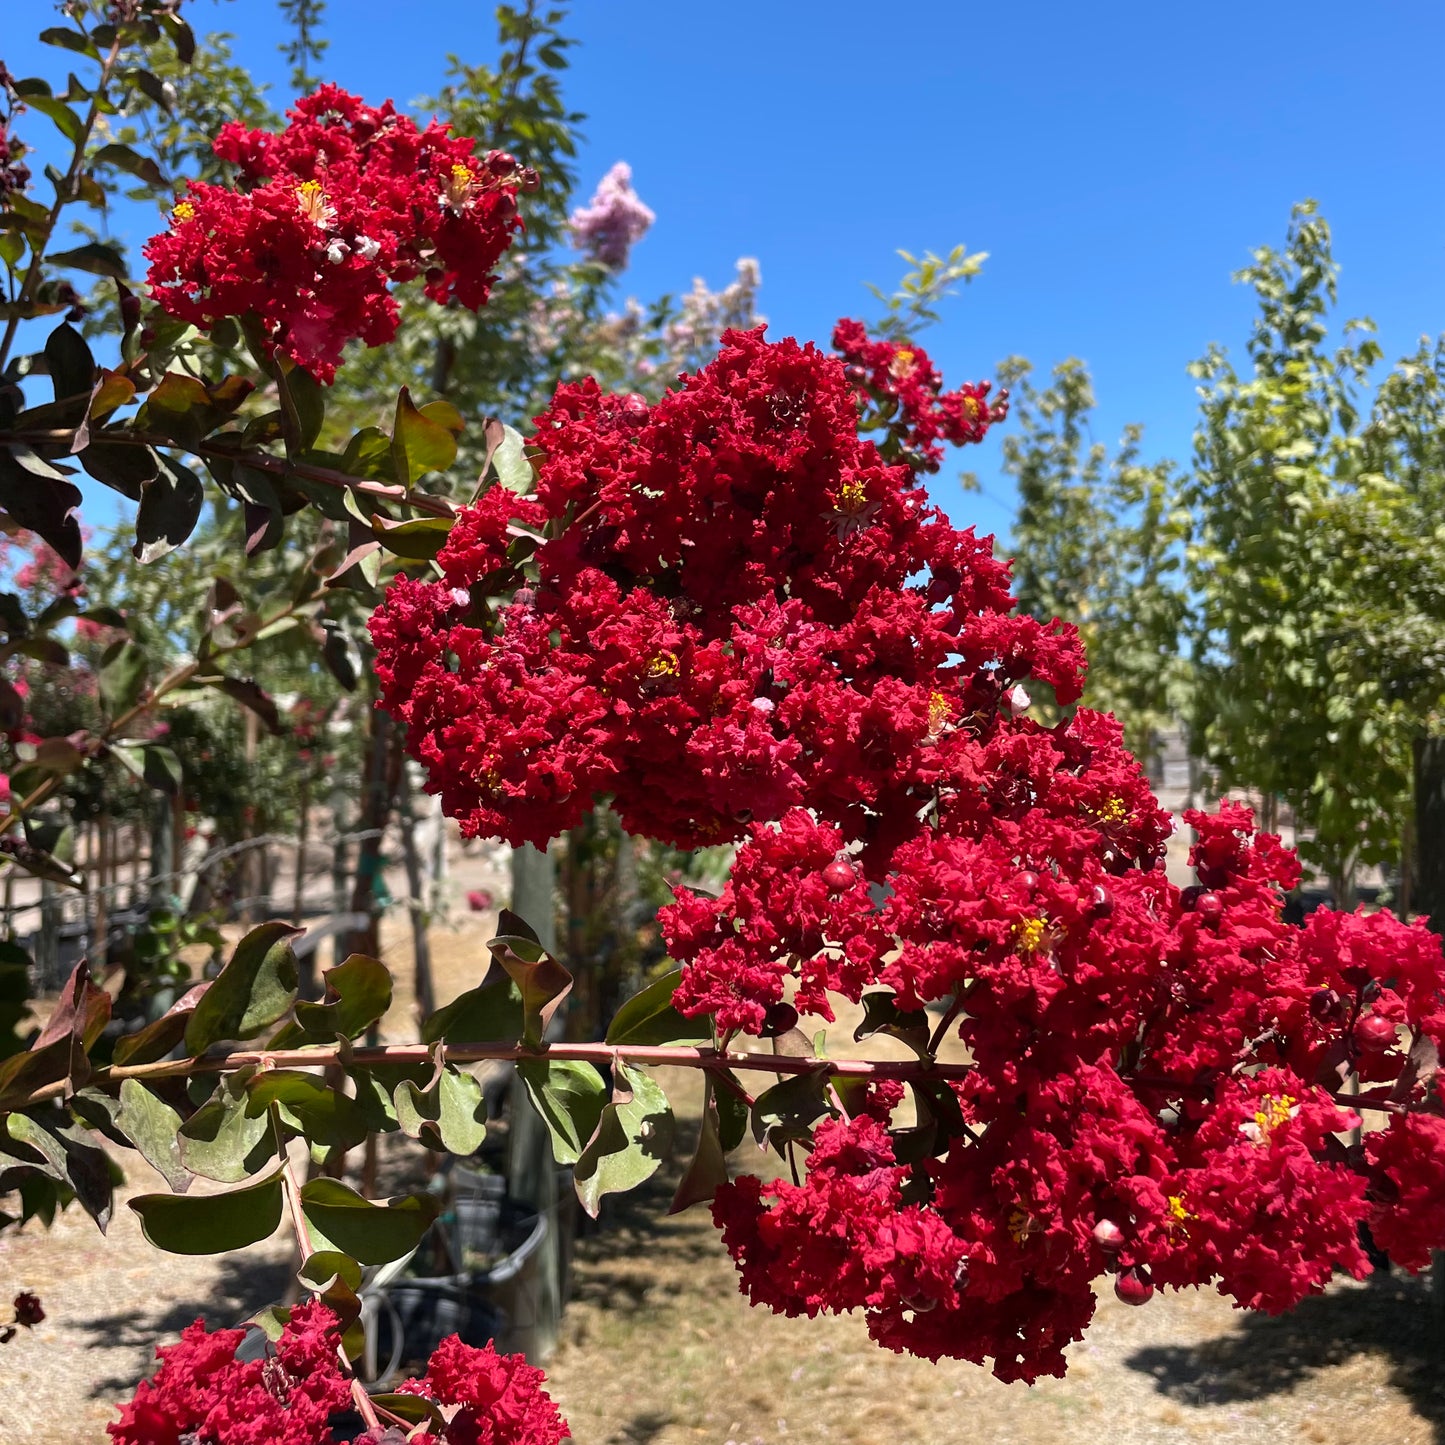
1374, 1034
1325, 1005
1209, 906
1134, 1286
839, 875
1108, 1236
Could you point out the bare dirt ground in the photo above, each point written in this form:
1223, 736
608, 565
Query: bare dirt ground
659, 1348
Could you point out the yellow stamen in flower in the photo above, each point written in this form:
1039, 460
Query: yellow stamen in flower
940, 711
184, 211
1020, 1225
486, 776
901, 365
852, 497
1273, 1110
1112, 810
458, 186
312, 202
663, 665
970, 405
1177, 1210
1029, 934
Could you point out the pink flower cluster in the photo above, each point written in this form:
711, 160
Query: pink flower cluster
203, 1395
344, 202
902, 394
613, 221
731, 616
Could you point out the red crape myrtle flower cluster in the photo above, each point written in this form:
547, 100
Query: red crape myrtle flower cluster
732, 616
203, 1395
346, 200
902, 390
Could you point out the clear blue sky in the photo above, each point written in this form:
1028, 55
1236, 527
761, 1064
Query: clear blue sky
1117, 161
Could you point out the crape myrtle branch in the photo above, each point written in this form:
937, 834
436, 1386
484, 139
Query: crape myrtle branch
681, 1056
432, 506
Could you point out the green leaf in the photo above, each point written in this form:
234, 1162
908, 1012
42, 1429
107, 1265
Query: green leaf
212, 1223
339, 1218
491, 1013
303, 404
449, 1114
570, 1096
633, 1137
97, 257
157, 1039
170, 507
225, 1139
66, 121
319, 1114
786, 1112
358, 993
123, 468
122, 676
513, 469
335, 1279
732, 1114
182, 37
649, 1018
123, 158
72, 367
709, 1167
418, 540
60, 1051
368, 454
250, 694
153, 1127
543, 982
72, 1157
68, 39
252, 991
46, 508
414, 1409
340, 654
152, 87
418, 444
881, 1015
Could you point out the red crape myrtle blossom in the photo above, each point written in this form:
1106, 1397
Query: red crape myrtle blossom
906, 390
732, 616
202, 1393
727, 627
487, 1398
348, 199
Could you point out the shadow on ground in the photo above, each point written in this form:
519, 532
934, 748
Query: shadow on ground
1391, 1316
244, 1286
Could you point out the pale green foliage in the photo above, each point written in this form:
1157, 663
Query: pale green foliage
915, 304
1096, 542
1312, 561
